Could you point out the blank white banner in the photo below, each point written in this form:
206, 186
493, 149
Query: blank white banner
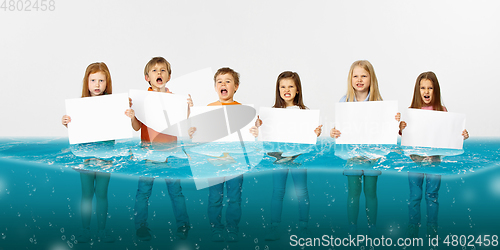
202, 79
437, 129
367, 122
288, 125
98, 118
159, 110
221, 123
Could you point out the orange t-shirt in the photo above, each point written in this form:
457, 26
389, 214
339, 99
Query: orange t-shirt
217, 103
151, 135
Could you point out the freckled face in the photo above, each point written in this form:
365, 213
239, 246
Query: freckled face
426, 91
360, 80
288, 90
97, 83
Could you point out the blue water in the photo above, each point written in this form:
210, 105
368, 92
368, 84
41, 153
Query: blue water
40, 193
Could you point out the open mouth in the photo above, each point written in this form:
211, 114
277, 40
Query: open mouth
223, 91
360, 85
159, 80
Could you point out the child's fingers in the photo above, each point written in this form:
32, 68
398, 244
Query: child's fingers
130, 113
318, 130
465, 134
254, 131
190, 101
258, 122
334, 133
191, 131
398, 116
65, 120
402, 125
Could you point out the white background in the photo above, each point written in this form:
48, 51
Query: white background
43, 55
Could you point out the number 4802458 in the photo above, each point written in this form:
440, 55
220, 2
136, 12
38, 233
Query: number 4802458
28, 5
471, 240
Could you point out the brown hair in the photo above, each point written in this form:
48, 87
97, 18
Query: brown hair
374, 92
297, 100
94, 68
436, 99
154, 61
226, 70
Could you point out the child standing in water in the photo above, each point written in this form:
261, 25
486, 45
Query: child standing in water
362, 86
226, 83
96, 82
157, 73
289, 96
427, 96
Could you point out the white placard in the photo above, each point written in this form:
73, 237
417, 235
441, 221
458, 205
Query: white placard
437, 129
157, 110
367, 122
98, 118
222, 123
202, 79
288, 125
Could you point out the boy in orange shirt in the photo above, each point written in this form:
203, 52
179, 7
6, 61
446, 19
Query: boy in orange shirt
157, 73
226, 84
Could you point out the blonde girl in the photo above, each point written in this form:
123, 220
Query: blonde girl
362, 86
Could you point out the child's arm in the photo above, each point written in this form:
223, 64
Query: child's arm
190, 104
191, 130
465, 134
136, 124
65, 120
318, 130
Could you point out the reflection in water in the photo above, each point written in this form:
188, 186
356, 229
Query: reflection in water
433, 183
96, 183
326, 188
233, 210
279, 186
359, 171
141, 211
128, 157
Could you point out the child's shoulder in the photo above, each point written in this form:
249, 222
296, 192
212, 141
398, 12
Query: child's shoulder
218, 103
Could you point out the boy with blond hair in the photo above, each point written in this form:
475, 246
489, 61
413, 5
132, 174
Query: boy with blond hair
157, 73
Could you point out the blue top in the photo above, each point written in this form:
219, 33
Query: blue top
344, 98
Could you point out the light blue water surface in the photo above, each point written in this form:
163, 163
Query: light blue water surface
40, 191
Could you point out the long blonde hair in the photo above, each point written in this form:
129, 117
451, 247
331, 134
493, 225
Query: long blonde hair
374, 92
